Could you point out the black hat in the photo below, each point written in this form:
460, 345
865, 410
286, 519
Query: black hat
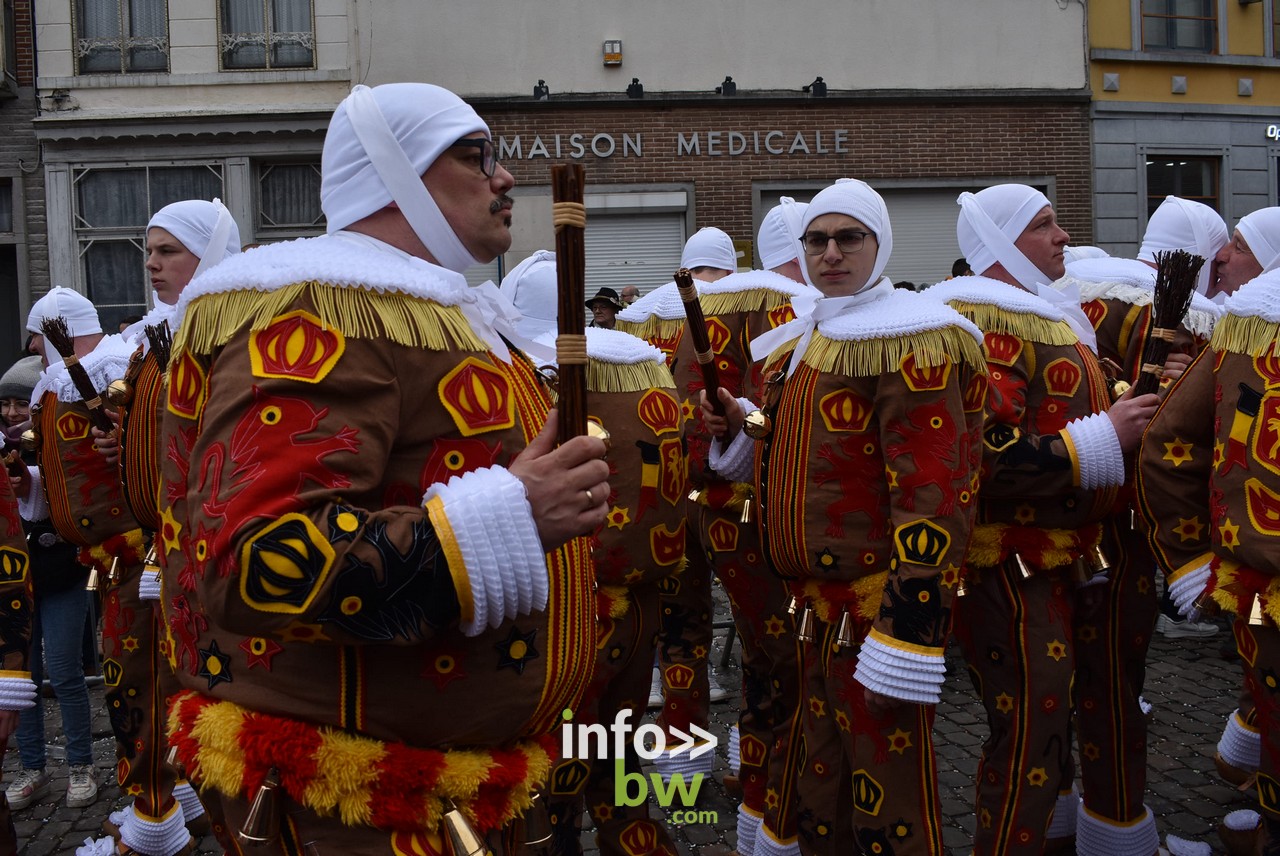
608, 295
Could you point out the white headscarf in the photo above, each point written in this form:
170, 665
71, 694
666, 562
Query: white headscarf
991, 220
532, 289
1180, 224
778, 240
1261, 231
380, 142
858, 200
73, 307
709, 247
206, 229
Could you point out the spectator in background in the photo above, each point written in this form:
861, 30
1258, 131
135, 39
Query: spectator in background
630, 294
960, 267
605, 307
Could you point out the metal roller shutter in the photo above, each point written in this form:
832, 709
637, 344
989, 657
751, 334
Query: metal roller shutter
633, 249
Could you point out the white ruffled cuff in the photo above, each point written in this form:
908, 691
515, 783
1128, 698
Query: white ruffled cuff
165, 836
1098, 452
767, 845
904, 675
1063, 824
736, 462
1186, 589
1096, 836
734, 750
495, 533
668, 764
1240, 746
34, 506
748, 829
17, 691
149, 585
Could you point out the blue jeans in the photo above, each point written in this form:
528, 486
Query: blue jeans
57, 631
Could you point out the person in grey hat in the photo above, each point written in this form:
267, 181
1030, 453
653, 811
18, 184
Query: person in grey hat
15, 396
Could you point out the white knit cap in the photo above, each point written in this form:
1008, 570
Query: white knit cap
206, 229
858, 200
709, 247
778, 240
1180, 224
991, 220
380, 142
74, 307
1261, 231
532, 289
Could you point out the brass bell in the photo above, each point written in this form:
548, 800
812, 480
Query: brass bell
93, 583
537, 824
119, 393
595, 429
804, 627
1098, 562
262, 826
151, 563
113, 576
961, 590
460, 837
1255, 613
175, 763
844, 632
757, 425
747, 515
28, 440
792, 605
1023, 568
1081, 572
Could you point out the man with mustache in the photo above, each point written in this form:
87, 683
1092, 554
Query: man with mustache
369, 539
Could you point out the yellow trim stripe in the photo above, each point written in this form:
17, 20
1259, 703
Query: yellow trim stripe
1074, 455
910, 648
453, 555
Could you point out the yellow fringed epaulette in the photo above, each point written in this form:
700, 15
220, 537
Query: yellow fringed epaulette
1024, 325
747, 300
652, 328
1248, 335
213, 319
868, 357
633, 377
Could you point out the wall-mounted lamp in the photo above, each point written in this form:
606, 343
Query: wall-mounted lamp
541, 92
613, 52
728, 88
635, 89
818, 89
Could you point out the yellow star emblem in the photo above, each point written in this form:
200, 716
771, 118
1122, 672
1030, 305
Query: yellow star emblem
700, 651
687, 410
1025, 514
900, 741
618, 517
1219, 451
774, 627
984, 817
135, 790
1091, 751
1057, 649
1004, 703
129, 643
1037, 777
170, 530
950, 576
1144, 585
602, 812
1177, 452
1189, 529
1087, 633
633, 576
891, 476
842, 720
771, 800
1230, 534
817, 707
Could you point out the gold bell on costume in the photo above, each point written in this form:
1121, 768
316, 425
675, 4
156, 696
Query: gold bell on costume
1023, 568
537, 825
28, 440
844, 632
460, 837
119, 393
804, 627
757, 425
262, 826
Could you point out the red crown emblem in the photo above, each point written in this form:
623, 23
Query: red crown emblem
1264, 507
678, 676
666, 545
781, 315
478, 397
659, 410
752, 750
975, 393
186, 387
296, 346
919, 378
72, 426
1062, 377
1268, 365
640, 837
844, 411
1095, 311
1003, 348
718, 334
723, 536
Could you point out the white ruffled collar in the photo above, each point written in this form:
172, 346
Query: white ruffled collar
663, 302
992, 292
1259, 297
895, 312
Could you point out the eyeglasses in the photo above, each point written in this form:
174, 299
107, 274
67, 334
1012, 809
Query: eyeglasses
847, 241
488, 153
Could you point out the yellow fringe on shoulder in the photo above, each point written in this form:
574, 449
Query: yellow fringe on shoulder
1024, 325
359, 313
651, 328
612, 377
747, 300
867, 357
1250, 336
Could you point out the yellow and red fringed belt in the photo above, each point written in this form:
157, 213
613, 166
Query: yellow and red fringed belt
993, 544
612, 601
365, 782
829, 598
724, 494
1234, 586
129, 547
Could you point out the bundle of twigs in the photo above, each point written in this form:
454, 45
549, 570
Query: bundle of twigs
56, 333
701, 341
570, 219
161, 342
1176, 272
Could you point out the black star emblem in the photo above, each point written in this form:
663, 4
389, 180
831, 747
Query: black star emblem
215, 666
827, 560
517, 650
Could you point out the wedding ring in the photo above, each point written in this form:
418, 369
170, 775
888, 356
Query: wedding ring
591, 500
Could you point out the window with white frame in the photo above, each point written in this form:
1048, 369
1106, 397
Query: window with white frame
111, 208
288, 200
265, 34
1180, 25
121, 36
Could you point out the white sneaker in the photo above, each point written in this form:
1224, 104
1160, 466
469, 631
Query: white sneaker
655, 691
1183, 628
715, 691
82, 787
28, 786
